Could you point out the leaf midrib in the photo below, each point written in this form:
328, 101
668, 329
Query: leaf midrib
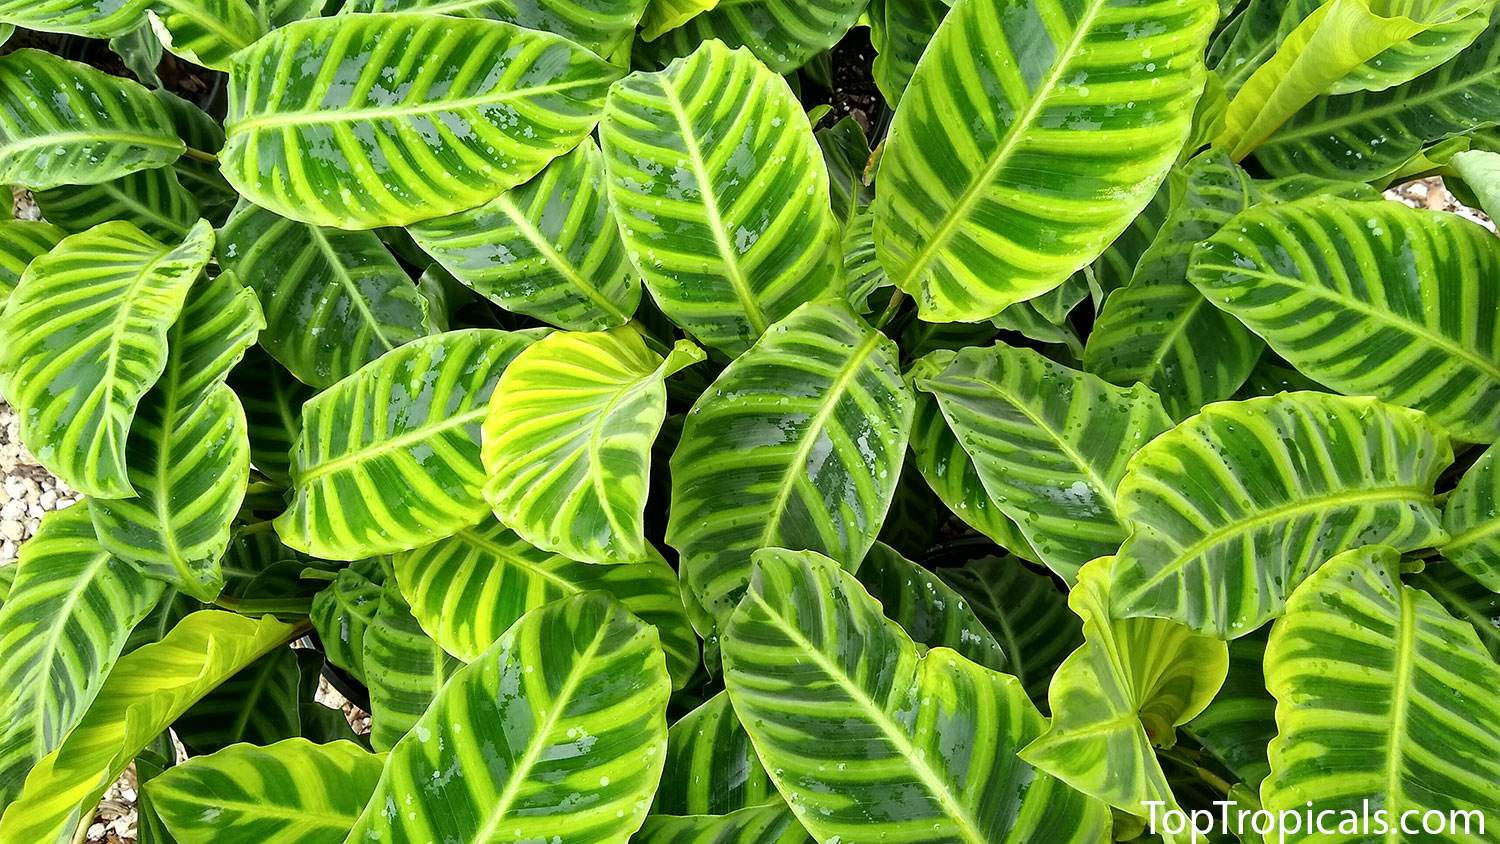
353, 115
796, 467
346, 281
967, 827
1191, 552
938, 240
375, 449
561, 263
1401, 703
1488, 367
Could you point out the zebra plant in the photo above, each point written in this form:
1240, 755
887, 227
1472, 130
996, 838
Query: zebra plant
1073, 446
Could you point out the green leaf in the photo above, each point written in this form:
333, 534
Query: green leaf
404, 669
258, 705
1465, 598
188, 443
916, 514
846, 152
342, 612
966, 221
21, 242
711, 768
929, 610
1383, 699
292, 792
567, 443
273, 401
1237, 505
663, 16
153, 200
571, 703
1241, 721
143, 695
1025, 611
1347, 46
64, 622
1480, 172
604, 26
468, 589
1159, 330
862, 270
201, 178
1248, 41
85, 338
68, 123
1048, 443
468, 108
900, 31
421, 407
782, 34
755, 825
721, 193
1122, 694
205, 32
334, 300
1332, 135
89, 18
868, 740
1371, 299
798, 443
548, 249
949, 470
1471, 517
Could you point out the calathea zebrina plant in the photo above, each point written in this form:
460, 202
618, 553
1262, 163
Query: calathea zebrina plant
857, 421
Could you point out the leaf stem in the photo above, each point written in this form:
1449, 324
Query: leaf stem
200, 155
897, 299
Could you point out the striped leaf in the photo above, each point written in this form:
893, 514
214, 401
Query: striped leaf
571, 703
711, 768
567, 442
1365, 136
143, 695
869, 741
1122, 694
1049, 445
403, 667
89, 18
1471, 517
292, 792
916, 514
966, 221
468, 589
258, 705
466, 109
727, 220
343, 610
798, 443
1159, 330
1025, 611
900, 31
65, 123
1346, 46
846, 153
205, 32
757, 825
273, 401
153, 200
64, 622
604, 26
782, 34
663, 16
21, 241
1241, 721
407, 472
1465, 598
1250, 39
1234, 507
863, 274
1371, 299
1383, 700
85, 338
929, 610
949, 470
187, 454
333, 300
548, 249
